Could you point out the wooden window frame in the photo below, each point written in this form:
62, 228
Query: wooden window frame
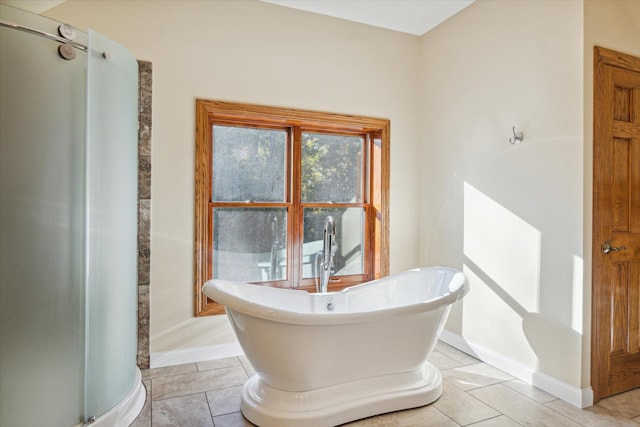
375, 201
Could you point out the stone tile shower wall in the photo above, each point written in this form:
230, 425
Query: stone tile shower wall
144, 209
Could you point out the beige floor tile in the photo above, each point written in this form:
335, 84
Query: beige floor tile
149, 374
520, 408
457, 355
500, 421
225, 400
594, 416
196, 393
183, 411
442, 361
425, 416
462, 407
473, 376
376, 421
198, 382
234, 419
218, 363
627, 404
530, 391
247, 366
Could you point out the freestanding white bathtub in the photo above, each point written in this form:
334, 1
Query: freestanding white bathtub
325, 359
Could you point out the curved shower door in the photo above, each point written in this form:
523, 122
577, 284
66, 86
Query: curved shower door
112, 213
68, 215
41, 227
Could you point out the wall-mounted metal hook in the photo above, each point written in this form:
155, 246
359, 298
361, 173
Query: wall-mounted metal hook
517, 137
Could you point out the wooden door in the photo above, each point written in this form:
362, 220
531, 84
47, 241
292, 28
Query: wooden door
616, 224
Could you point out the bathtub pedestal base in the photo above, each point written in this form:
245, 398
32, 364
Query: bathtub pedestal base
339, 404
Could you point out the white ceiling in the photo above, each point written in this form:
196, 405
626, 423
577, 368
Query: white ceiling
408, 16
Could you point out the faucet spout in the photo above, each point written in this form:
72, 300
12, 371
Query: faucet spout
327, 253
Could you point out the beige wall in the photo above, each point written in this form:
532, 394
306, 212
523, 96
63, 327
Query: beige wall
613, 24
509, 215
516, 218
249, 51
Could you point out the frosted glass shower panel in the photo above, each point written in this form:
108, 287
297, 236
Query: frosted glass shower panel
41, 227
112, 164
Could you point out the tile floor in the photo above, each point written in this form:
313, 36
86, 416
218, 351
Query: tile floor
207, 394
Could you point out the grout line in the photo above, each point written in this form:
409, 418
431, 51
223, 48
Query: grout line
218, 367
500, 414
185, 395
209, 407
511, 419
246, 372
438, 409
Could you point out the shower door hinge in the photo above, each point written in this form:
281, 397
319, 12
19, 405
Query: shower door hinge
67, 52
90, 421
67, 31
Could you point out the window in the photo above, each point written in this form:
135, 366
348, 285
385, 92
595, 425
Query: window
266, 179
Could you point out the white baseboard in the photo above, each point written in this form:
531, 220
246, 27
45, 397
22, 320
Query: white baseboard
125, 411
195, 354
575, 396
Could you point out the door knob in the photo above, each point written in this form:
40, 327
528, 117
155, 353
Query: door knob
607, 248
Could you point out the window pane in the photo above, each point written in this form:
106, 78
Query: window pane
332, 168
250, 244
248, 164
349, 248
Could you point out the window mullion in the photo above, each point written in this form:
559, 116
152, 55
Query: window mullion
370, 216
368, 170
297, 229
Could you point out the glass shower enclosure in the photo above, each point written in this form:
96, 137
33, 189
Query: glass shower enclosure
68, 226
